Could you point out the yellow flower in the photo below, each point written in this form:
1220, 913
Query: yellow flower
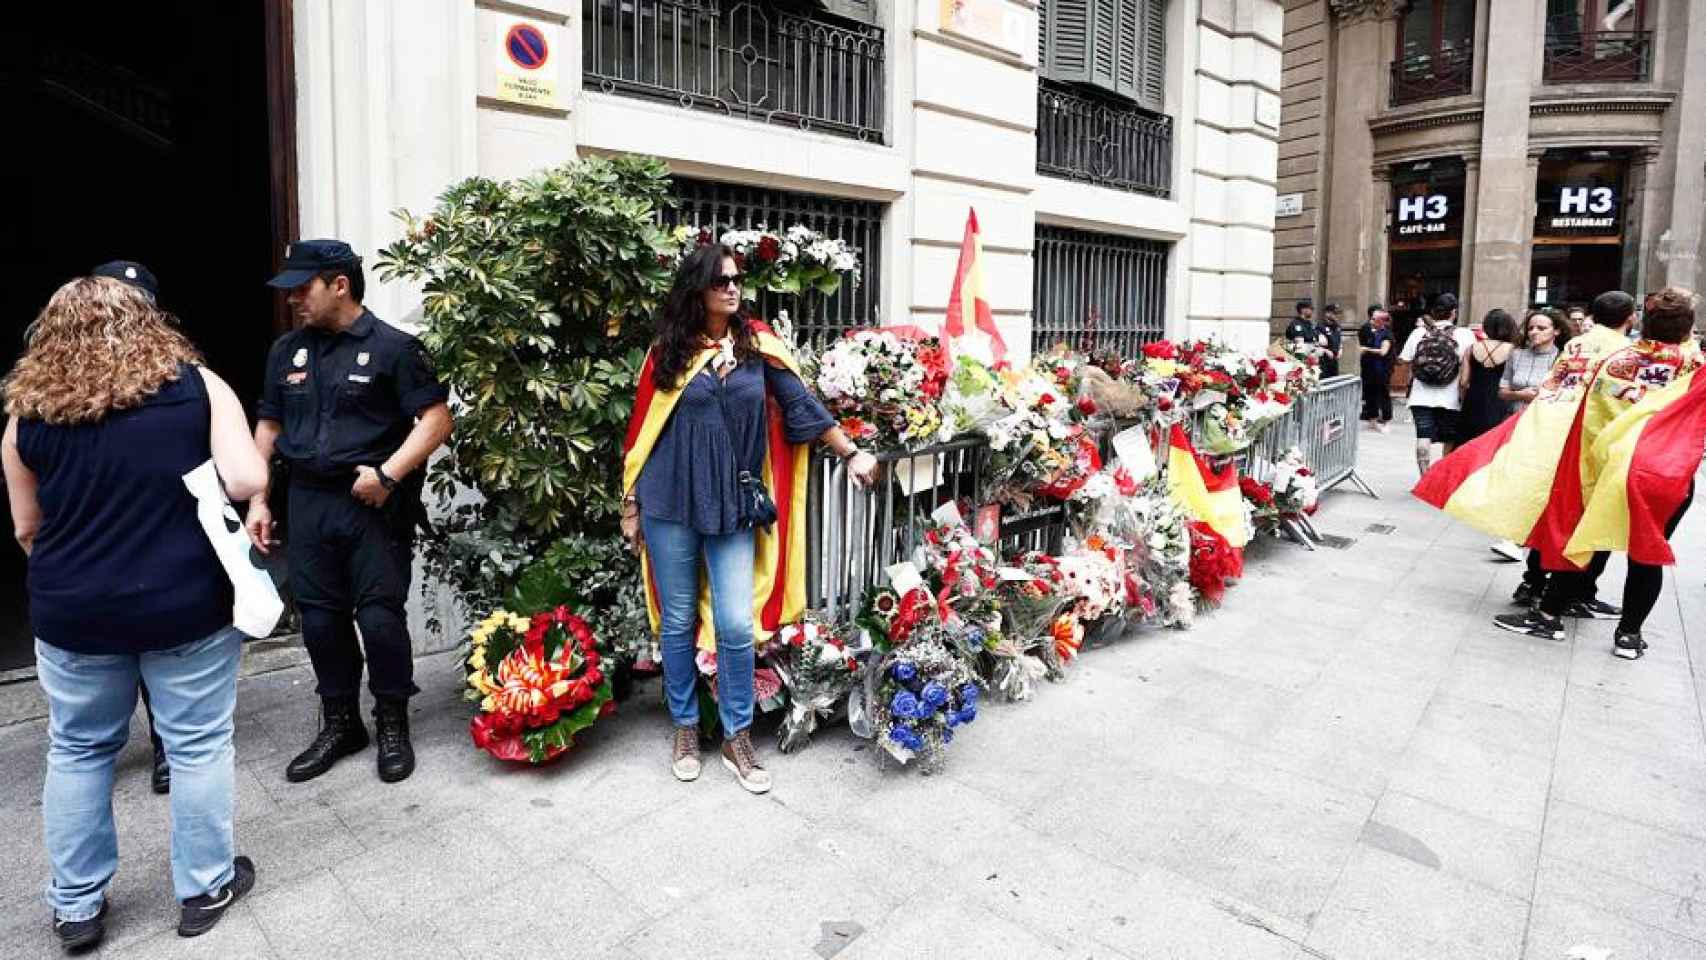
1161, 367
477, 660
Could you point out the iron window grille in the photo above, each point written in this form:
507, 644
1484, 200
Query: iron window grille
706, 204
1603, 56
1445, 72
1103, 140
1096, 290
750, 59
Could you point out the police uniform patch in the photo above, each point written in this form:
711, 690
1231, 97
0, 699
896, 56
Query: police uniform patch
360, 378
362, 358
301, 358
295, 377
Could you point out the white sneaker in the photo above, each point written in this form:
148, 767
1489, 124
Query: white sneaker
1508, 551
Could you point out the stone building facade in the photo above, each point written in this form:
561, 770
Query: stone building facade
1515, 152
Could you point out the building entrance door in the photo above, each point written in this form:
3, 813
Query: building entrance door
1578, 226
149, 137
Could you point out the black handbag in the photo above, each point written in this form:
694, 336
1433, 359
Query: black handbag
755, 506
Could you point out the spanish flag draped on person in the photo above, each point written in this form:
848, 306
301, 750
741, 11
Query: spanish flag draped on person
1600, 461
779, 551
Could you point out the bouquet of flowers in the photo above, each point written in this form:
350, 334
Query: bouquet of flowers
538, 683
1213, 562
1160, 555
884, 388
889, 619
924, 694
964, 571
1294, 486
818, 669
796, 260
971, 400
1032, 598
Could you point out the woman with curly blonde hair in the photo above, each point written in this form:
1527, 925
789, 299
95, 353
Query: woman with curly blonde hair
108, 410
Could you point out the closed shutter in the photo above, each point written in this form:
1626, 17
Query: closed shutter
1114, 45
1153, 91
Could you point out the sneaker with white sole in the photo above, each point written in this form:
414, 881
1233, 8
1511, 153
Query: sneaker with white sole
1533, 624
739, 758
684, 758
1628, 646
201, 914
1593, 610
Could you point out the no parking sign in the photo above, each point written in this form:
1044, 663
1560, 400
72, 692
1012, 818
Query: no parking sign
526, 65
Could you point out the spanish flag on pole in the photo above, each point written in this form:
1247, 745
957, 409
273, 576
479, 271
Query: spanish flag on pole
1212, 496
779, 555
967, 296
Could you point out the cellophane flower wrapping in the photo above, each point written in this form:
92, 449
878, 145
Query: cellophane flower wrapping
818, 668
538, 681
924, 694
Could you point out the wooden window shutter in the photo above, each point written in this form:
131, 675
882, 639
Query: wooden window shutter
1069, 40
1104, 43
1152, 92
1128, 64
1042, 38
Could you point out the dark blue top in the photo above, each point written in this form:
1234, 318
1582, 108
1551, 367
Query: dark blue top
1369, 335
690, 475
347, 399
120, 564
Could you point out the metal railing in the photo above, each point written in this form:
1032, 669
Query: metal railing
750, 60
1605, 56
853, 536
1429, 76
1104, 141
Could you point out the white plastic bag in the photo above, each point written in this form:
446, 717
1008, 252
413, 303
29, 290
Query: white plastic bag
258, 605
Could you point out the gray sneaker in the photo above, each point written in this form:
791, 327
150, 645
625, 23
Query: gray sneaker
684, 759
739, 758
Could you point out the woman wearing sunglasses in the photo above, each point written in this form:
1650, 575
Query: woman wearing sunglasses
714, 475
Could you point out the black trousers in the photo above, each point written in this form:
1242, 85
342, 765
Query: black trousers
1376, 394
350, 565
1586, 586
1641, 587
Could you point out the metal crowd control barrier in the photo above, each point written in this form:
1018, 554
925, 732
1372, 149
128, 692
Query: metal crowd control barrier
853, 536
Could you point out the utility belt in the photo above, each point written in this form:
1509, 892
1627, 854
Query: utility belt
404, 510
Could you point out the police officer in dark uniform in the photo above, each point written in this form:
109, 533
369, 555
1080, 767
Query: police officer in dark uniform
1302, 325
352, 409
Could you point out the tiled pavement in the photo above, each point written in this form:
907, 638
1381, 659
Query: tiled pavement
1345, 762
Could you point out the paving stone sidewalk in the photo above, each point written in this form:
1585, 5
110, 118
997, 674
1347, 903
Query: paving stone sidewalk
1344, 762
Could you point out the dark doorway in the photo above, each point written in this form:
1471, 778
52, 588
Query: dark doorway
144, 135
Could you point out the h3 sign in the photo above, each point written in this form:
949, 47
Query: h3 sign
1423, 215
1585, 207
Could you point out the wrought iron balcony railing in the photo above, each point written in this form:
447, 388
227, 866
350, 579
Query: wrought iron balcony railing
750, 60
1429, 76
1103, 141
1605, 56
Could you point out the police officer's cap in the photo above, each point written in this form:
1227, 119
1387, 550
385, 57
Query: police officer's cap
306, 259
131, 272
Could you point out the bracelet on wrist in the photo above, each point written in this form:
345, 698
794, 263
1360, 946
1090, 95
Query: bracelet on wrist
852, 452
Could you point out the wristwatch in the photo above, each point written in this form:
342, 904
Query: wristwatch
385, 481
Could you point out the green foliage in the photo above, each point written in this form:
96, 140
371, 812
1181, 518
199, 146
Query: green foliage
561, 735
538, 299
589, 573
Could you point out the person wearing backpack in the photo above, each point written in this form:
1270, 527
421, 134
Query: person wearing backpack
1436, 352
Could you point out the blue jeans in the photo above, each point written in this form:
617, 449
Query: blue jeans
675, 550
193, 691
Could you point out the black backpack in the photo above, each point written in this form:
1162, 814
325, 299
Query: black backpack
1437, 360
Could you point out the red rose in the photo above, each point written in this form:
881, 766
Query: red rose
769, 248
1047, 400
1161, 350
1164, 404
1086, 405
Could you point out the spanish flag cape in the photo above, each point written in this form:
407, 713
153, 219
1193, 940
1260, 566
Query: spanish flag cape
1649, 405
1617, 473
1210, 495
1501, 482
779, 555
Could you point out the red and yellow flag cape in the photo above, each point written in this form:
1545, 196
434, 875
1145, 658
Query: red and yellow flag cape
779, 554
1212, 496
1609, 481
1501, 482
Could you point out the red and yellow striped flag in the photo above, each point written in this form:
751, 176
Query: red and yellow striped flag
968, 286
1212, 496
779, 554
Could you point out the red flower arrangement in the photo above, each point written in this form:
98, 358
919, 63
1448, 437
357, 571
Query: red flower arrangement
1213, 562
546, 687
1260, 495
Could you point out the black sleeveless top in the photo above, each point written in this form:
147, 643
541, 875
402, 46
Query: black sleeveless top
1482, 408
120, 564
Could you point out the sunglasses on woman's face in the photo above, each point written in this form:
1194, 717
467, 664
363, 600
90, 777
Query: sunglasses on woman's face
728, 280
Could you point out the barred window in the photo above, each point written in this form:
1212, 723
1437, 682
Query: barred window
1098, 290
726, 206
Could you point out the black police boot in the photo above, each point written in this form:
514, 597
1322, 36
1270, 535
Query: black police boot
391, 729
341, 734
161, 780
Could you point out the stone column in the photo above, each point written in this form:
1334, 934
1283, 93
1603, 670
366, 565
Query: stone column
1640, 218
1352, 247
1466, 252
1504, 220
1380, 259
1686, 229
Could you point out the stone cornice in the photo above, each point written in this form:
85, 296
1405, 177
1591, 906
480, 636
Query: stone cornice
1405, 123
1351, 11
1652, 103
